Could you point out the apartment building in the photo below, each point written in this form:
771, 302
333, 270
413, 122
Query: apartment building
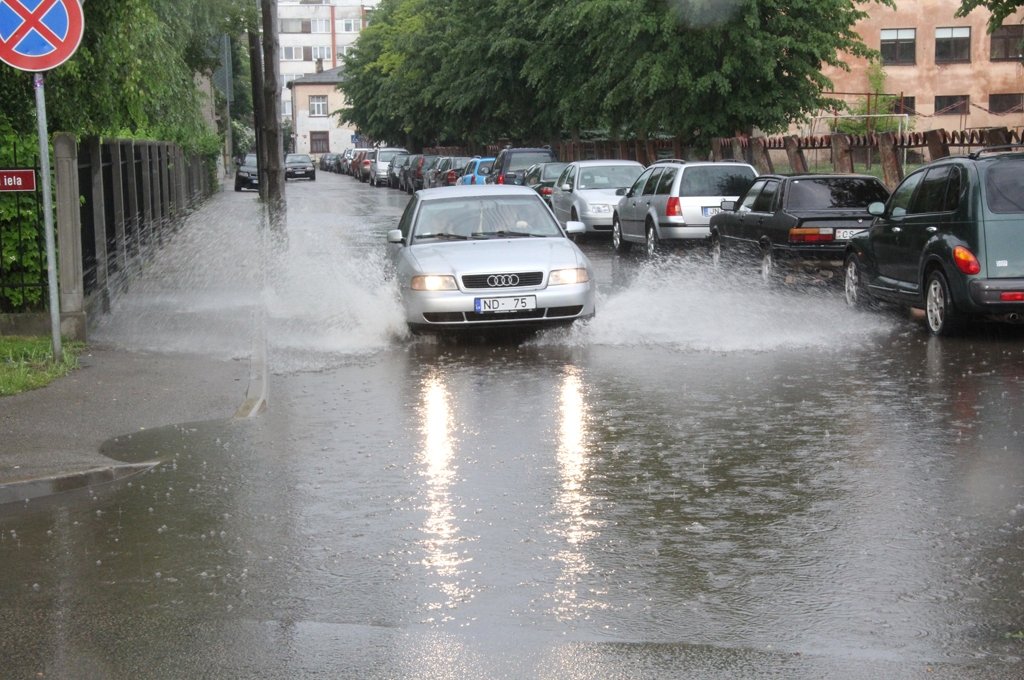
950, 72
314, 35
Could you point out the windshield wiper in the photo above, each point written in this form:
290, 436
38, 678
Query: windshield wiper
457, 237
503, 233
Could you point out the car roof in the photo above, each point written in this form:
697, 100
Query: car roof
610, 161
465, 191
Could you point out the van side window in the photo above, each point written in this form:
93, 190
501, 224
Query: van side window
668, 176
931, 196
899, 204
652, 182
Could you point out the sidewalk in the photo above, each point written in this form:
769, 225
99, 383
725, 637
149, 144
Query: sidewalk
177, 348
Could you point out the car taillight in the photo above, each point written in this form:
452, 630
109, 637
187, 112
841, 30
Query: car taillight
546, 191
472, 180
811, 235
366, 164
966, 261
1012, 296
501, 179
451, 177
673, 209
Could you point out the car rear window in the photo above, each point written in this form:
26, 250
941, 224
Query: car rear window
608, 176
386, 155
521, 161
552, 170
835, 192
716, 181
1004, 186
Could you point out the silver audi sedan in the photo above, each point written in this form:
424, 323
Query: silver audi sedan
488, 258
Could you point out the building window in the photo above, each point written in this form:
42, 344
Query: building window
319, 142
953, 45
350, 25
951, 104
343, 50
1006, 43
322, 52
899, 46
906, 105
291, 53
318, 105
1006, 103
286, 108
320, 25
291, 26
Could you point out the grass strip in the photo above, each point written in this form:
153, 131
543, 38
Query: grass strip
26, 363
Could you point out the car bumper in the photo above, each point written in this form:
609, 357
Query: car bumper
598, 221
295, 174
247, 182
984, 297
454, 310
670, 232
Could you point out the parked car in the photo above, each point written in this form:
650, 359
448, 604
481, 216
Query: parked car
247, 174
455, 169
418, 172
433, 176
364, 165
673, 201
541, 178
353, 161
299, 165
586, 191
495, 258
328, 162
395, 168
789, 222
405, 179
380, 161
476, 171
949, 240
511, 163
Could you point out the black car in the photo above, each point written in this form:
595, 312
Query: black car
299, 165
247, 174
541, 178
791, 221
510, 165
329, 162
948, 240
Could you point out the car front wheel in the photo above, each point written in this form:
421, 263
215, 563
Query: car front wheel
855, 288
715, 249
618, 244
940, 312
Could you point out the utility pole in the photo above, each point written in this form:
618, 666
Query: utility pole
256, 75
274, 140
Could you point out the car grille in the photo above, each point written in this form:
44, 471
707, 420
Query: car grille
502, 280
473, 317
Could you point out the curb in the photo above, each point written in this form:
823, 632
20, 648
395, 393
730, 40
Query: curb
29, 489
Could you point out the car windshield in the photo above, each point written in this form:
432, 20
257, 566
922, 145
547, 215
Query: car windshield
250, 159
484, 217
716, 181
834, 192
385, 155
608, 176
521, 161
552, 170
297, 158
1004, 186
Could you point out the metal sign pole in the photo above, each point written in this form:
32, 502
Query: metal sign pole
51, 250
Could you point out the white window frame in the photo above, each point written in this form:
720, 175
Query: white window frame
351, 25
318, 106
321, 52
291, 52
320, 25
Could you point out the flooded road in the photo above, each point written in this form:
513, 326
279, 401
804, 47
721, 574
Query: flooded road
709, 480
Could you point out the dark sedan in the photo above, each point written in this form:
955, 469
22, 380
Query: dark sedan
247, 175
541, 178
797, 221
299, 165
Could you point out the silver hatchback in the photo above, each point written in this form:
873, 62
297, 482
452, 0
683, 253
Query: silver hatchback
586, 191
488, 258
673, 200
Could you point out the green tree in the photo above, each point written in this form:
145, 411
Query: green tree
1000, 9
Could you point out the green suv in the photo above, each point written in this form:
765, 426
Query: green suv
950, 240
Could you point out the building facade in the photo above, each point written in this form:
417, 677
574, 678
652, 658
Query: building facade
949, 72
314, 99
314, 35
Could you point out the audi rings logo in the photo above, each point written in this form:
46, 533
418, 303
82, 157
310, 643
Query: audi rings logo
503, 280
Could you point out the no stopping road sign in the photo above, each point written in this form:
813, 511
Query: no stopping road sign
38, 35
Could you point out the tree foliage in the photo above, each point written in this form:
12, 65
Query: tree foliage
1000, 10
529, 70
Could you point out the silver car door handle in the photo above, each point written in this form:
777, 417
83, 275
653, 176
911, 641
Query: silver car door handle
897, 230
932, 230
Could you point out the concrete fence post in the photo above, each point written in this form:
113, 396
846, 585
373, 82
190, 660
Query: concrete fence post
892, 168
759, 153
795, 154
117, 181
938, 147
69, 237
842, 153
997, 136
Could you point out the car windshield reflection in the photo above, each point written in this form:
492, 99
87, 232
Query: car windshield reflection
484, 218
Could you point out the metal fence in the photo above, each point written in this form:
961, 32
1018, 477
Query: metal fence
116, 201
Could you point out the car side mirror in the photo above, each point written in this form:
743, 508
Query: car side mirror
395, 236
728, 206
877, 208
574, 227
621, 191
566, 187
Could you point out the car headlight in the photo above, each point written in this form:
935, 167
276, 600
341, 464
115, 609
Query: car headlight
598, 208
434, 282
563, 276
